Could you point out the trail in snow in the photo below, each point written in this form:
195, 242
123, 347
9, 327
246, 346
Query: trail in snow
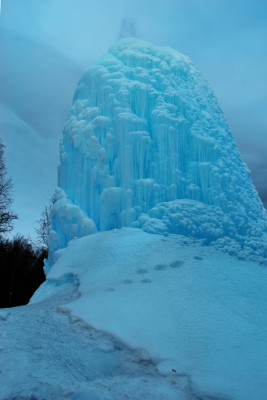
47, 354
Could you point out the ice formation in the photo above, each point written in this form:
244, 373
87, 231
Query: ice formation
146, 145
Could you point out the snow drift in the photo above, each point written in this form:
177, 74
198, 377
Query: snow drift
196, 315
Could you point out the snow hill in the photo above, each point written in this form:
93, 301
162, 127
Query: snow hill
146, 146
129, 315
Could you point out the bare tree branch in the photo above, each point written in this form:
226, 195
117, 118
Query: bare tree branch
6, 186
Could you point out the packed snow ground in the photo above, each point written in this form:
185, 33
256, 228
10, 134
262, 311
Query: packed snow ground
126, 314
48, 354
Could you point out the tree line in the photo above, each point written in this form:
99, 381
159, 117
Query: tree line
21, 261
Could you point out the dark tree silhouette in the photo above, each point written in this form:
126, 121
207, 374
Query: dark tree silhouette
6, 186
44, 224
21, 271
43, 228
21, 265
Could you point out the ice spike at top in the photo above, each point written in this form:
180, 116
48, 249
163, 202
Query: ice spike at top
146, 145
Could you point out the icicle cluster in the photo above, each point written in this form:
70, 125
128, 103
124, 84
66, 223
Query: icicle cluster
146, 145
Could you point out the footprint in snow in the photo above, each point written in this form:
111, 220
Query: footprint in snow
127, 281
176, 264
146, 281
160, 267
142, 271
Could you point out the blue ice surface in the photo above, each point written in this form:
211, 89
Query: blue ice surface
146, 145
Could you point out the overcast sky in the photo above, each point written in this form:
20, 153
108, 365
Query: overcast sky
226, 39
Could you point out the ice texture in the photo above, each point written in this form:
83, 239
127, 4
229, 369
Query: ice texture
146, 145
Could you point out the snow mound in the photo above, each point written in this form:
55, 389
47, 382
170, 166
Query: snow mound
193, 312
146, 145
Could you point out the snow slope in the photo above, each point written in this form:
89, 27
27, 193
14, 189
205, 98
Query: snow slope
194, 318
48, 354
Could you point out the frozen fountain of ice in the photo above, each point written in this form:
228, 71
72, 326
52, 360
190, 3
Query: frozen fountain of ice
146, 145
